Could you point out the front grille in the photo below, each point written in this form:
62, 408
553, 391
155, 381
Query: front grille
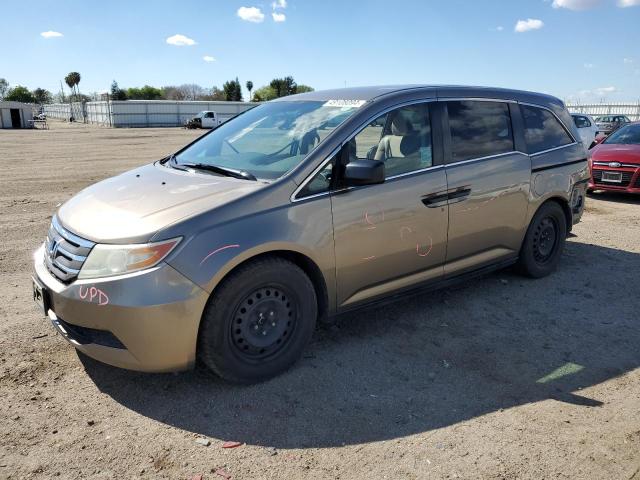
626, 178
637, 185
65, 252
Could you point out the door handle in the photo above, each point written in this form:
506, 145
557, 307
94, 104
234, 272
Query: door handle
435, 200
459, 194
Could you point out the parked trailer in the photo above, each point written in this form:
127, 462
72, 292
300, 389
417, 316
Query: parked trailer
15, 114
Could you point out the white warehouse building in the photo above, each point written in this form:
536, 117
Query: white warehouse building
15, 114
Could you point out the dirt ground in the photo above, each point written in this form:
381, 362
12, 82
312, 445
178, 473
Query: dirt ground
498, 378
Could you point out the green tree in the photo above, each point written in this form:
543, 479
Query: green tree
215, 95
303, 88
116, 92
20, 94
4, 87
232, 90
264, 94
249, 86
145, 93
284, 86
72, 80
42, 95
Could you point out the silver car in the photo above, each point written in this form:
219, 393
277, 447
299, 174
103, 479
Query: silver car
233, 248
609, 123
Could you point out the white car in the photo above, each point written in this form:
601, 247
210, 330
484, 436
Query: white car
586, 127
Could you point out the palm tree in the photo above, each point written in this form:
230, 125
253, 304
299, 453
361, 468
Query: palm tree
249, 87
72, 80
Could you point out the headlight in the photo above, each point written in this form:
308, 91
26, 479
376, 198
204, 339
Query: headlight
107, 260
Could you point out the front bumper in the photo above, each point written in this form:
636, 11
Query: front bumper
630, 179
145, 321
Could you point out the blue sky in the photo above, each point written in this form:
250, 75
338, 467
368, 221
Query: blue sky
587, 49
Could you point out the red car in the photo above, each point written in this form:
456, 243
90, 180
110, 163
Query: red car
615, 163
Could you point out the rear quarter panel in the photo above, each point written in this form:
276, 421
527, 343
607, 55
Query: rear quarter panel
554, 174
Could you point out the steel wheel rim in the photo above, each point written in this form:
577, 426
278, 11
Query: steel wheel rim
263, 323
545, 240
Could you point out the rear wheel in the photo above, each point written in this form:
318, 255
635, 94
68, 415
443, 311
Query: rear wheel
258, 321
544, 241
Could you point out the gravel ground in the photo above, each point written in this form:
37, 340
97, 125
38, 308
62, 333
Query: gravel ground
500, 377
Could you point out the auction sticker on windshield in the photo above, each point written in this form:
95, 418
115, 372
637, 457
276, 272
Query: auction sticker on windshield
345, 103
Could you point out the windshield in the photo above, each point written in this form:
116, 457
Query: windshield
271, 139
627, 135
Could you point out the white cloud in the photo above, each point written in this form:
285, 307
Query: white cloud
208, 58
51, 34
575, 4
251, 14
279, 4
589, 65
180, 40
605, 90
528, 24
628, 3
627, 60
278, 17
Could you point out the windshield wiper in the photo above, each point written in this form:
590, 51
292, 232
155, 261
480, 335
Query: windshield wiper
229, 172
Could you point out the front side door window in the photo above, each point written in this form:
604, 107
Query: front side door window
401, 139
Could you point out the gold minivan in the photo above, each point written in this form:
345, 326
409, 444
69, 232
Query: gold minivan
233, 248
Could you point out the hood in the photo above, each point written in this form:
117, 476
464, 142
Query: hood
611, 152
131, 207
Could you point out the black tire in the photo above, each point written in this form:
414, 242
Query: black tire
544, 241
258, 322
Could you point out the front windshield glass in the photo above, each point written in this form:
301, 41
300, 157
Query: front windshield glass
271, 139
627, 135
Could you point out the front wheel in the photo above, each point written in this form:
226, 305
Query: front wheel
544, 241
258, 322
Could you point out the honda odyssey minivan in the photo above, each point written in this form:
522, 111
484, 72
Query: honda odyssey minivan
233, 248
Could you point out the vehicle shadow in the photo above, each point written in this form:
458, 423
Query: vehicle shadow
420, 364
618, 197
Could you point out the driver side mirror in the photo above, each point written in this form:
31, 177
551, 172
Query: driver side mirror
363, 172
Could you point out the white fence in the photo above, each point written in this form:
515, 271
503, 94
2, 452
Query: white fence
167, 113
142, 113
631, 110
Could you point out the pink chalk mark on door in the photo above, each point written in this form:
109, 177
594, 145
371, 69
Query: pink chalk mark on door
218, 250
423, 253
370, 220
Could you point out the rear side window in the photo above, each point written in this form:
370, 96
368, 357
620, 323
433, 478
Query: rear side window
479, 129
581, 122
542, 130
